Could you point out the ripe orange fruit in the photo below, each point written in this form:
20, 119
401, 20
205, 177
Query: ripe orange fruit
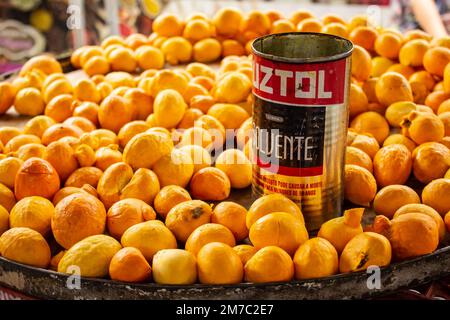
339, 231
360, 185
364, 36
218, 263
36, 177
412, 52
358, 101
392, 165
269, 204
269, 264
436, 59
129, 265
315, 258
389, 199
210, 184
392, 87
25, 246
373, 123
126, 213
435, 195
231, 215
431, 160
423, 127
76, 217
174, 267
388, 45
207, 233
278, 229
361, 63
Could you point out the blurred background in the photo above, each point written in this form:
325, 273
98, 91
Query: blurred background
30, 27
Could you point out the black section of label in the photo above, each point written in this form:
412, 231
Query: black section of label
291, 136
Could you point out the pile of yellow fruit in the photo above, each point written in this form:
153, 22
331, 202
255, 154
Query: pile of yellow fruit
118, 167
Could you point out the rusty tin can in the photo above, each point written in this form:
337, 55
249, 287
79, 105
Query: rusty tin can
300, 117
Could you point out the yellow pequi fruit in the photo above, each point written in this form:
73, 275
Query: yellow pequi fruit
174, 267
269, 264
187, 216
269, 204
403, 232
389, 199
435, 194
210, 184
360, 185
315, 258
236, 166
129, 265
168, 197
431, 160
231, 215
34, 213
392, 165
423, 127
364, 250
174, 168
169, 108
149, 237
245, 252
145, 149
218, 263
424, 209
339, 231
25, 246
278, 229
76, 217
127, 213
207, 233
91, 255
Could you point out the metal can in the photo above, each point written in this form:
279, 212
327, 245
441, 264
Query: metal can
300, 117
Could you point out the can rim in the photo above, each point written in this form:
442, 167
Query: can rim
334, 57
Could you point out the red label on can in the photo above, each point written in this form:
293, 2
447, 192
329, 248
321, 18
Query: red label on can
300, 84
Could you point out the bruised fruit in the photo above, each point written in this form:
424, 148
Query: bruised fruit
364, 250
187, 216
